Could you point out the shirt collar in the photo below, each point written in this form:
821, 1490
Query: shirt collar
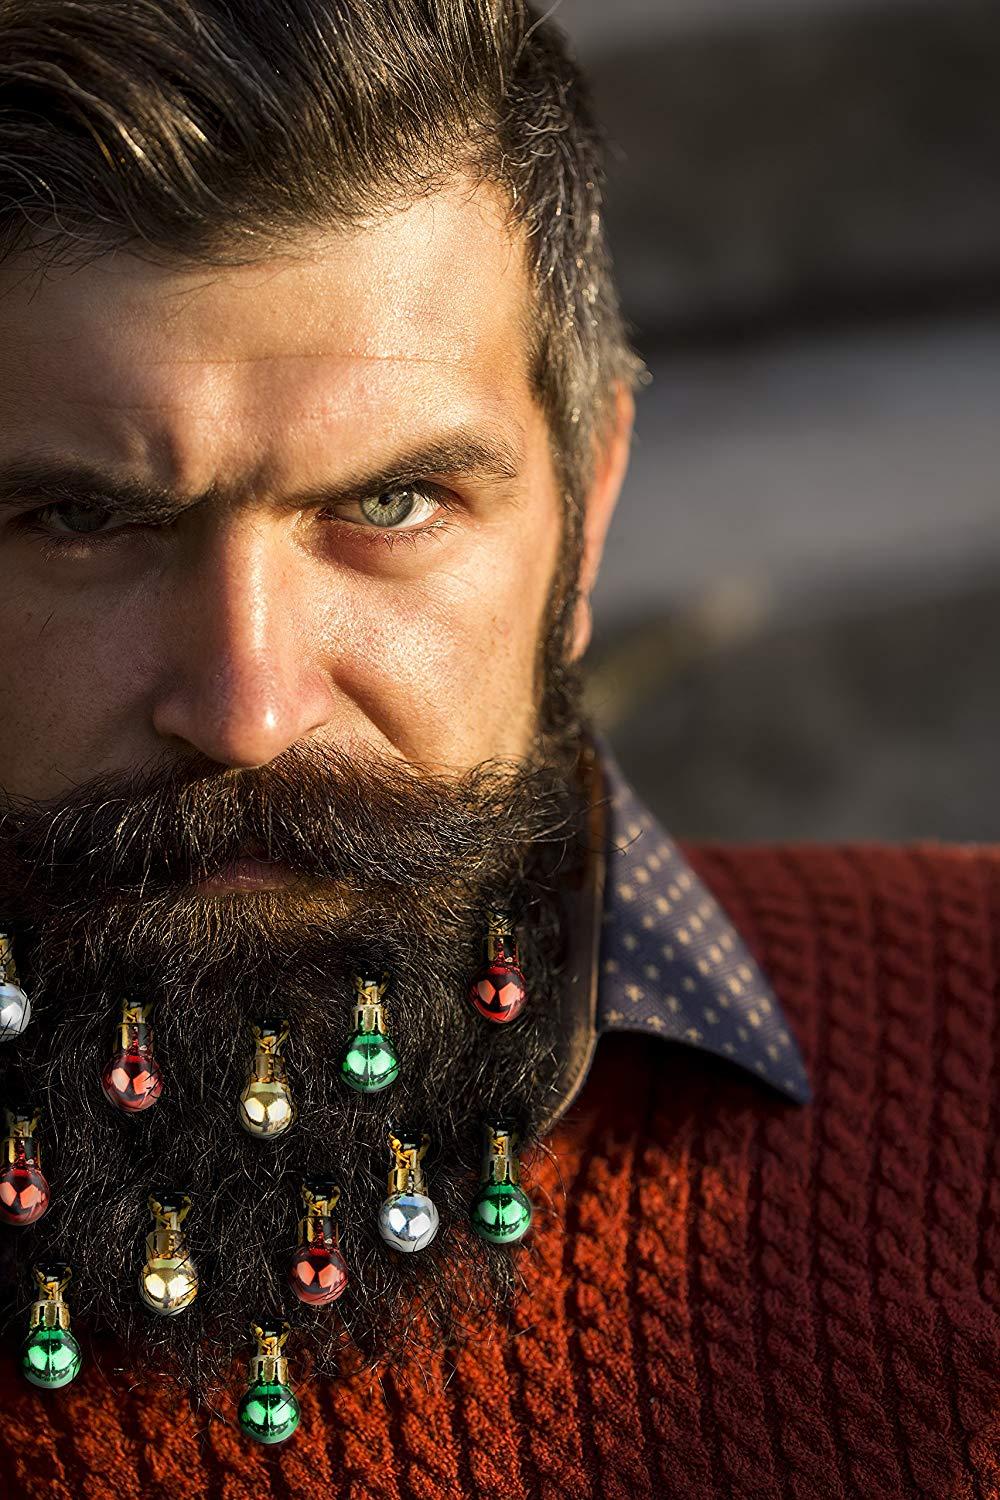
671, 963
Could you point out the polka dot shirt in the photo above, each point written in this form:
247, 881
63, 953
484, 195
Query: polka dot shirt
671, 962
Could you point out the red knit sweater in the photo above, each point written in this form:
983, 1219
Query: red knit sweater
725, 1295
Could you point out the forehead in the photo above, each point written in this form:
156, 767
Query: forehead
416, 318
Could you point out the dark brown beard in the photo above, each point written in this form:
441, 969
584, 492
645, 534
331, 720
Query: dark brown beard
395, 872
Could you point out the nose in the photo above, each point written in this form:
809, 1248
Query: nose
244, 678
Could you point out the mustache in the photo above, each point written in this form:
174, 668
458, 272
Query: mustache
325, 814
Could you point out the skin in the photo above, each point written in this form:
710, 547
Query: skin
263, 614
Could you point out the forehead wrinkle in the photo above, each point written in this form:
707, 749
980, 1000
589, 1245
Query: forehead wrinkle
341, 357
109, 404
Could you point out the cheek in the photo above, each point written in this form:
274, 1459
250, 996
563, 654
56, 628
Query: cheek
71, 680
445, 666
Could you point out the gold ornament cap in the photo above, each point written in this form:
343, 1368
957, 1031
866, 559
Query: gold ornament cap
269, 1365
369, 1011
50, 1310
8, 968
500, 1159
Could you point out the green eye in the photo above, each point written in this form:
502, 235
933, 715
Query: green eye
394, 507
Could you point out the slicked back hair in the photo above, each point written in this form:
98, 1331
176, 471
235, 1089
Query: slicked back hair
217, 131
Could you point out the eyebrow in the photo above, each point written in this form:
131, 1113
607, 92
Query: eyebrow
39, 480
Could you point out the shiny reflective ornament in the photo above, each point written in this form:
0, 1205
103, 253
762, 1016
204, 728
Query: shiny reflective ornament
131, 1079
369, 1063
168, 1282
51, 1356
499, 992
318, 1273
266, 1107
24, 1188
407, 1219
500, 1211
15, 1007
269, 1412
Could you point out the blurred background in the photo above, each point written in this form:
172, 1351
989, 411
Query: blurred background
798, 621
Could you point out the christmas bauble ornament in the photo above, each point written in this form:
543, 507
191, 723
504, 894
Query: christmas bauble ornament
498, 992
50, 1357
407, 1219
500, 1211
15, 1007
131, 1079
318, 1272
168, 1282
369, 1063
24, 1188
266, 1107
269, 1411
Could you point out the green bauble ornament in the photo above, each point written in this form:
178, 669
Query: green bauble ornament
369, 1062
50, 1358
269, 1412
51, 1355
501, 1213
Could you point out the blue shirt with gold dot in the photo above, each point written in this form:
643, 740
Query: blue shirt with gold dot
671, 962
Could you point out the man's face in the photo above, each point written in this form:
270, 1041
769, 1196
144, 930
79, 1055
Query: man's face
222, 597
284, 409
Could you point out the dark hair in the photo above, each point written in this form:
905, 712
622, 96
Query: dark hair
212, 130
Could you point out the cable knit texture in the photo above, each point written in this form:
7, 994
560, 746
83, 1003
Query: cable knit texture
725, 1295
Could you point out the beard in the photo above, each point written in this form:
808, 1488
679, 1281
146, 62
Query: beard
390, 872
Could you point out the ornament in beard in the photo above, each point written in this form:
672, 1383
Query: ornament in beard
385, 871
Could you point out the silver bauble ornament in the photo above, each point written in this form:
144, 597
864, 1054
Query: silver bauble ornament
15, 1010
408, 1221
15, 1007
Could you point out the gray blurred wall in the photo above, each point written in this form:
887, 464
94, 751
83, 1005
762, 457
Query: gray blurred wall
797, 609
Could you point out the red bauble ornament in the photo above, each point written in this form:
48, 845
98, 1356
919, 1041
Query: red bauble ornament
24, 1188
318, 1272
131, 1080
499, 992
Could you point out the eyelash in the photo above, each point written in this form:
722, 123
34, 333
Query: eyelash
56, 543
